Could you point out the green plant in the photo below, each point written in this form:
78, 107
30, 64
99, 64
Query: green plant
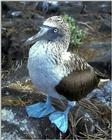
77, 34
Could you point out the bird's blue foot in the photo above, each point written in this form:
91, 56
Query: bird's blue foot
40, 110
60, 119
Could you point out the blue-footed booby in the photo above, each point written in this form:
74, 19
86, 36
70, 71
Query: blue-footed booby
57, 72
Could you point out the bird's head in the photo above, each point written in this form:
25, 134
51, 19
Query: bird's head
54, 29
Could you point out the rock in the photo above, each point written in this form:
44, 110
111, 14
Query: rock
103, 64
16, 14
105, 7
94, 50
101, 47
105, 23
9, 9
97, 7
5, 8
51, 7
103, 94
71, 8
6, 44
36, 16
11, 51
24, 2
90, 7
17, 124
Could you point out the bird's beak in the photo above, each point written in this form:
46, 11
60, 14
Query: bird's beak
37, 37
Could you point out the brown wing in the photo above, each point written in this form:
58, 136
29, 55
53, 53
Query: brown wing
79, 82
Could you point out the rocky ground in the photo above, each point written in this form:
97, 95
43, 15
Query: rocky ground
21, 20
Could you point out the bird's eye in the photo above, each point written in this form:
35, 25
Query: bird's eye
55, 30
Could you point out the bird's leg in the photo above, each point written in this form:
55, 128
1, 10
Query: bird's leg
60, 119
40, 110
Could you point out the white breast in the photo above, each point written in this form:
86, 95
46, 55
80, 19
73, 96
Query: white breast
44, 73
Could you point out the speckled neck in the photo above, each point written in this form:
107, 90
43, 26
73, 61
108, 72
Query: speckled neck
49, 48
